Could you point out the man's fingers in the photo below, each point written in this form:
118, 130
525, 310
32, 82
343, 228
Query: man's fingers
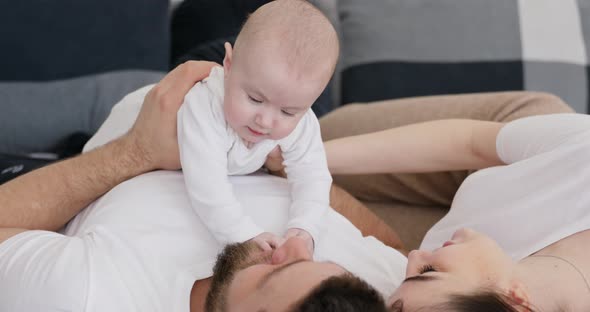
174, 86
187, 74
191, 72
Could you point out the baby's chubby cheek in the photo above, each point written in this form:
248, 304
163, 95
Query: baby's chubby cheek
283, 130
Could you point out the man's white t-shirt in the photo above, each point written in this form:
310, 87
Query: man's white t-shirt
141, 247
210, 151
539, 198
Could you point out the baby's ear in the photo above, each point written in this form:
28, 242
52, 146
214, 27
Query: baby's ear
228, 57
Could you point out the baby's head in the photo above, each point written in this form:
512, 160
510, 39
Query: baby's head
281, 62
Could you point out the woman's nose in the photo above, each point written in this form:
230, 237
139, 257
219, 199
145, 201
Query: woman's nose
416, 260
294, 249
463, 234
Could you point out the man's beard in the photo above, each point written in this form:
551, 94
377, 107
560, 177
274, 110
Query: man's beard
233, 258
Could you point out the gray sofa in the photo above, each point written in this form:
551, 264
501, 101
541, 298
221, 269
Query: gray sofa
394, 49
64, 64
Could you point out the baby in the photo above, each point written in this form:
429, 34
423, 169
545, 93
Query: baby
282, 59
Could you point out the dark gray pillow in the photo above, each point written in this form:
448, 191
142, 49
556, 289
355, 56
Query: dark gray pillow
47, 40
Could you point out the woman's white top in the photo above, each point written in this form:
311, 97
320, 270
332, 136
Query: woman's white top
538, 198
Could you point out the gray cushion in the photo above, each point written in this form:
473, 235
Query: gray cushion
38, 116
404, 48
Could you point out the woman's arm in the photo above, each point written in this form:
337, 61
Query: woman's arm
440, 145
48, 197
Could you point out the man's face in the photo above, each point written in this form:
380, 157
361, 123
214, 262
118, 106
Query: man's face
255, 280
265, 98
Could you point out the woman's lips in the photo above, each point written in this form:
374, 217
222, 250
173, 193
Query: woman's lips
448, 243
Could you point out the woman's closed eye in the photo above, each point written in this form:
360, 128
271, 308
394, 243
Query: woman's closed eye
427, 268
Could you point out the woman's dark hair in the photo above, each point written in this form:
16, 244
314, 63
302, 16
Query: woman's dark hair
481, 301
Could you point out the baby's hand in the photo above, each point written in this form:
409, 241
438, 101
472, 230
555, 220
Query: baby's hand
268, 241
303, 234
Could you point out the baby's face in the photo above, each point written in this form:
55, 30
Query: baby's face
264, 100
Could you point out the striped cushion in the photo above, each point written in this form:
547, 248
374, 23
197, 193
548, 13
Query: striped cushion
403, 48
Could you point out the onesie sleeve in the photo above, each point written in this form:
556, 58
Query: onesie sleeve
204, 142
308, 175
531, 136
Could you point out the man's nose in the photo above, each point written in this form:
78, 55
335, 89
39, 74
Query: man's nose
294, 249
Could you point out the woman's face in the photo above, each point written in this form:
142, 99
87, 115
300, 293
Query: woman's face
467, 262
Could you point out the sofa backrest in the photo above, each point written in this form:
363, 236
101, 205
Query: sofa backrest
405, 48
46, 40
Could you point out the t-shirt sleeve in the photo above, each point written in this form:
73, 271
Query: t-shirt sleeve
308, 176
43, 271
531, 136
203, 140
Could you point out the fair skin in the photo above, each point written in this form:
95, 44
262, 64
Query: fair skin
261, 103
471, 260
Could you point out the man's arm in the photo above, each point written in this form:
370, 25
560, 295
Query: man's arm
48, 197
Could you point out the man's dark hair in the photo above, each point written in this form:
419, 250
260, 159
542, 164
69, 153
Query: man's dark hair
346, 293
481, 301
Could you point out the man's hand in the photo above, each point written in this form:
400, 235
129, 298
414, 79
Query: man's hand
303, 234
268, 241
48, 197
274, 162
154, 133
